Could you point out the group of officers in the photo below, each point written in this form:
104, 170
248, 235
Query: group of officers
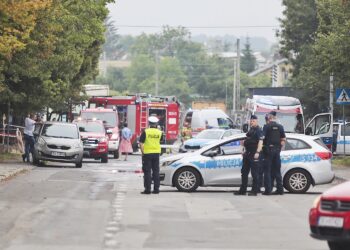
261, 157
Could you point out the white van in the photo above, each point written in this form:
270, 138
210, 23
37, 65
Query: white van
338, 135
199, 120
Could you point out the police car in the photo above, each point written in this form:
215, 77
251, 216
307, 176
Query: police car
305, 161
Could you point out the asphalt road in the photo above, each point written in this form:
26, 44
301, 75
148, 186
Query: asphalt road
100, 207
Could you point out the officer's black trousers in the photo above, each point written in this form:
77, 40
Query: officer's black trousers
273, 170
150, 167
250, 164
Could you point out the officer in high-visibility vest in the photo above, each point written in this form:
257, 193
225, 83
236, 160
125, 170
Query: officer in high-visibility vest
150, 147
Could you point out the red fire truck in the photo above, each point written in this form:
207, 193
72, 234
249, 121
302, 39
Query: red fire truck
135, 110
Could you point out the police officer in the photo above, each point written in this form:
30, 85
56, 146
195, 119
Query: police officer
252, 147
274, 140
150, 148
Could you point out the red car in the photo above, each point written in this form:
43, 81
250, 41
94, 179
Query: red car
95, 140
329, 217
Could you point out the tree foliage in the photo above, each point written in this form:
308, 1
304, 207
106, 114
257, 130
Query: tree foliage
61, 54
316, 33
248, 61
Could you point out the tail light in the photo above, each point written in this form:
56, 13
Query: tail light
324, 155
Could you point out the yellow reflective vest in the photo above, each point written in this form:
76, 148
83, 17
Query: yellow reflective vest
152, 141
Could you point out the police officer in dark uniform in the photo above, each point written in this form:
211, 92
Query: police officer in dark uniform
274, 140
150, 147
252, 147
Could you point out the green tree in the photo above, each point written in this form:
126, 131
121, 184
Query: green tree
298, 31
60, 56
248, 61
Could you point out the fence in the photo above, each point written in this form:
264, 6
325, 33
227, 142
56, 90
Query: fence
11, 138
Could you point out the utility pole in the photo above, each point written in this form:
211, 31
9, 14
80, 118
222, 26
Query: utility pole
331, 91
238, 71
157, 73
234, 88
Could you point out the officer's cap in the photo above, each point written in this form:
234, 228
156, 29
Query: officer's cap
273, 113
153, 119
253, 117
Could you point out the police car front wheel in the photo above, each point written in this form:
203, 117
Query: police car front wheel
297, 181
187, 179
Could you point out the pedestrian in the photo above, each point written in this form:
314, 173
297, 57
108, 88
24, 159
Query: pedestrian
252, 148
150, 148
125, 144
274, 140
28, 136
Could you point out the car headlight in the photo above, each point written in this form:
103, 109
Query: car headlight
41, 141
167, 163
316, 202
78, 145
102, 139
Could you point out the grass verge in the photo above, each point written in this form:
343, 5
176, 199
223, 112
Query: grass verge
342, 161
9, 156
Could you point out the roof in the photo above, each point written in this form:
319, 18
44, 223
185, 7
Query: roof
267, 67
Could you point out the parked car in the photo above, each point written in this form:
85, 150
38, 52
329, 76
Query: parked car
95, 140
58, 142
199, 120
111, 122
305, 160
206, 137
329, 217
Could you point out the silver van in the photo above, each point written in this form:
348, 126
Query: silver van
199, 120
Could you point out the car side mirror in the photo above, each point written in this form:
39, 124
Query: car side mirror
245, 127
308, 131
109, 132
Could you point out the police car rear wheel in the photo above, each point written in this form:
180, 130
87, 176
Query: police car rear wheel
297, 181
187, 179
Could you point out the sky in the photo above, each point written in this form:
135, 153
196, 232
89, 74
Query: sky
210, 17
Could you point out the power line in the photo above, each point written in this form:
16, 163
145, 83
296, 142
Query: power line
199, 27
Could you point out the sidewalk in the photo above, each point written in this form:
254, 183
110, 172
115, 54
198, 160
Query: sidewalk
341, 172
9, 169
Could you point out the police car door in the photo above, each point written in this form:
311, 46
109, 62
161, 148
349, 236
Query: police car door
321, 125
296, 154
224, 169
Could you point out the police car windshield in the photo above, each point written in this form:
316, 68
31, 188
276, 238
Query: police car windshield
91, 127
288, 121
109, 118
209, 134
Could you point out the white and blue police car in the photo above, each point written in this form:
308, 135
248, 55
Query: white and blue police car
305, 161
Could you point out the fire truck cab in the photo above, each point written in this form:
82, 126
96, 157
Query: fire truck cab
135, 110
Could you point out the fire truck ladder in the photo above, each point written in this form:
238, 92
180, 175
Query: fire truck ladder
143, 116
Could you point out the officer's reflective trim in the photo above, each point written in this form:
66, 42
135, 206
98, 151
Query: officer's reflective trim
300, 158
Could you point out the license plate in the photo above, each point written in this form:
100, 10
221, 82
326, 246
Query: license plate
57, 154
326, 221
